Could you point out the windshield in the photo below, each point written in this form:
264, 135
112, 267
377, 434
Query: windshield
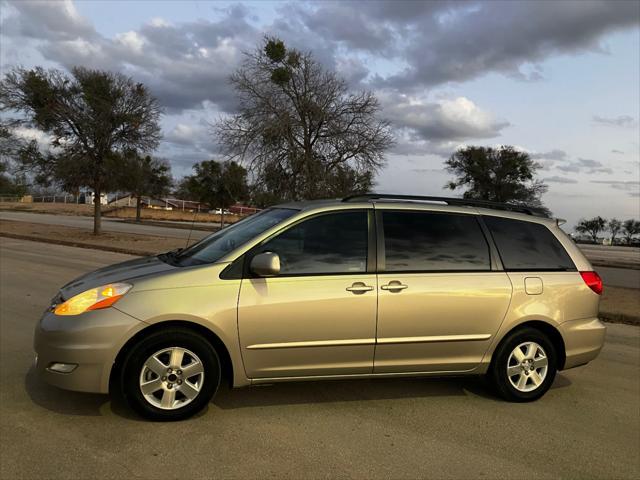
213, 247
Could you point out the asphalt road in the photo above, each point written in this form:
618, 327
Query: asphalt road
585, 427
619, 277
607, 254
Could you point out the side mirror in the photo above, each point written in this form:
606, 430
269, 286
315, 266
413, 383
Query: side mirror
265, 264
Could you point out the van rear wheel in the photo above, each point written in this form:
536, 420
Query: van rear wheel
524, 366
170, 375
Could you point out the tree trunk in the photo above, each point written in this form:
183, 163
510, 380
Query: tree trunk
138, 209
97, 211
222, 218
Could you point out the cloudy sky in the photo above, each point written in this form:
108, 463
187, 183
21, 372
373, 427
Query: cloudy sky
560, 80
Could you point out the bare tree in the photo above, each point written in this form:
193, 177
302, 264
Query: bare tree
298, 128
91, 116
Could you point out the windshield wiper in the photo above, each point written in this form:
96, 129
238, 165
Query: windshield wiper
171, 256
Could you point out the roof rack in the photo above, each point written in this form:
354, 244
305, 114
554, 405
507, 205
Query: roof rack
538, 212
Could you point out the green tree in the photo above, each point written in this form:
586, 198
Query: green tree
272, 187
92, 117
11, 183
144, 176
299, 130
217, 185
614, 225
592, 227
631, 229
501, 174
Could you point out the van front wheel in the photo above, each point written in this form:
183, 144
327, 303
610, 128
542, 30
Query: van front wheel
524, 366
170, 375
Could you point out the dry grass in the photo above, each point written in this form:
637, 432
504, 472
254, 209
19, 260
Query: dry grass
120, 212
80, 237
170, 215
53, 208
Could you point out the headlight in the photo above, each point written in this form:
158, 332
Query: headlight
94, 299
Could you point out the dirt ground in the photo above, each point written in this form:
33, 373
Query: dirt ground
80, 237
52, 208
620, 305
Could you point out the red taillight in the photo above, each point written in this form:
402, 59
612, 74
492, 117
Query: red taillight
593, 281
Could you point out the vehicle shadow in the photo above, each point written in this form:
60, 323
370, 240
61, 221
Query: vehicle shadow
357, 390
62, 401
297, 393
278, 394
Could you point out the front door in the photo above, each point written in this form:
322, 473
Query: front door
318, 317
440, 303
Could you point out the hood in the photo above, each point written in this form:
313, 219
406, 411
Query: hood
120, 272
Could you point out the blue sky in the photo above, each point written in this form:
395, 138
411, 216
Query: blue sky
557, 79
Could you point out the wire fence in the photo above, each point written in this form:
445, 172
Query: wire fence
12, 198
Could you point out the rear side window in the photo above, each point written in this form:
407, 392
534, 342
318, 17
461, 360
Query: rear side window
424, 241
527, 245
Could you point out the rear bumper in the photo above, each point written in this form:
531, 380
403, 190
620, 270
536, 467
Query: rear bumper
583, 340
91, 341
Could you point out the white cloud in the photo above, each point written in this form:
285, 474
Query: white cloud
42, 139
439, 125
131, 40
158, 22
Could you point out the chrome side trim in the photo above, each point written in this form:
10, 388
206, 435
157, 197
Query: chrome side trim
315, 343
436, 338
355, 376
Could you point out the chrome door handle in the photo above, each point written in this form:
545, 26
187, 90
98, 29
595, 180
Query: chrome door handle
395, 285
359, 287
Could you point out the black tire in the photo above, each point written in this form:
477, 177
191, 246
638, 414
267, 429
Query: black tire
498, 371
148, 346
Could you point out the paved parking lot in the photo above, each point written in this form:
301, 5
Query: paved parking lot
587, 426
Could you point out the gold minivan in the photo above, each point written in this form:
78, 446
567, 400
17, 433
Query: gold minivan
367, 286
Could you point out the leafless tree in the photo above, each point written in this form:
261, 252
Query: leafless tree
298, 128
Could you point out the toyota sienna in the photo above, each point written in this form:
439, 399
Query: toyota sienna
364, 287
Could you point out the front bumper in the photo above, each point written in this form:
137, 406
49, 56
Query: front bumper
583, 340
91, 341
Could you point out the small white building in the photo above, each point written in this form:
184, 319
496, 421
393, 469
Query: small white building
87, 198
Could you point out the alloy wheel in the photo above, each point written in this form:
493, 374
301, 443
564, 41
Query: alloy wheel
171, 378
527, 366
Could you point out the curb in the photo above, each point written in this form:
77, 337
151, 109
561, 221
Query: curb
628, 266
69, 243
169, 224
611, 317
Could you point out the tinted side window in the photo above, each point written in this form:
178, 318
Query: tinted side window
331, 243
527, 245
421, 241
